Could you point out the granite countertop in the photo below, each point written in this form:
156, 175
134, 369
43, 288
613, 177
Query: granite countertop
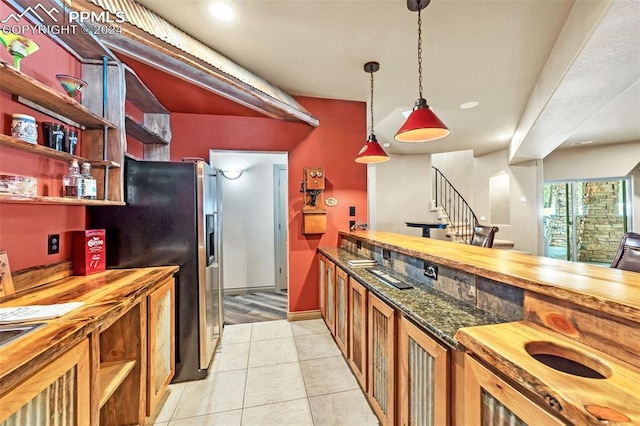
438, 313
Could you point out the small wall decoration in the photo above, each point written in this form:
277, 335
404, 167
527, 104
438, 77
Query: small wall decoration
6, 282
314, 216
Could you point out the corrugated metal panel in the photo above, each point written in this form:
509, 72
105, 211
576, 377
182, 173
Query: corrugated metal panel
494, 413
358, 323
149, 22
54, 406
421, 385
380, 368
341, 326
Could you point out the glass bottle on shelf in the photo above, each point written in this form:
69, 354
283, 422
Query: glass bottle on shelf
72, 182
89, 186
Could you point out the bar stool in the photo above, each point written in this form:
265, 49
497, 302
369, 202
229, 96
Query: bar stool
483, 236
628, 256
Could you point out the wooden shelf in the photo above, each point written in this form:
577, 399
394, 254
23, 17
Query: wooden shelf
44, 151
140, 95
112, 374
19, 84
142, 133
16, 199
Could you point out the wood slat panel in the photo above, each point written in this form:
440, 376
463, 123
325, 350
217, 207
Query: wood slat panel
616, 337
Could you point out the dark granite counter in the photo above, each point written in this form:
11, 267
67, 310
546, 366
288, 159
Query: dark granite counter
436, 312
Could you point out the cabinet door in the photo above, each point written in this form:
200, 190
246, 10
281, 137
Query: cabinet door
358, 331
342, 304
381, 359
161, 349
330, 319
423, 387
491, 401
56, 395
322, 264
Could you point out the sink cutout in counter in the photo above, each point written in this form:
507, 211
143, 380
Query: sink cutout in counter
567, 360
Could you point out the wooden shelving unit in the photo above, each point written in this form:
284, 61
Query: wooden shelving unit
16, 199
16, 83
143, 133
44, 151
112, 374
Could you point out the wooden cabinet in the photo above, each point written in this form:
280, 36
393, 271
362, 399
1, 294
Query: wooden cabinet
381, 359
489, 400
342, 303
121, 350
423, 378
322, 288
65, 379
330, 283
161, 348
358, 331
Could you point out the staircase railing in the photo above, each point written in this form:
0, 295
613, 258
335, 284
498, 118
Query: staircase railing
455, 206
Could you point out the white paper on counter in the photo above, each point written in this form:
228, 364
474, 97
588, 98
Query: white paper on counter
18, 314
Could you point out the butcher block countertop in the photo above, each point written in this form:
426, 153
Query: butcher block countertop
612, 291
106, 296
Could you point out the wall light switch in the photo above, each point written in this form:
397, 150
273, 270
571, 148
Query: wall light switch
352, 211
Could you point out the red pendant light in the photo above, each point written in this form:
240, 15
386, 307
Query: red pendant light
372, 152
422, 125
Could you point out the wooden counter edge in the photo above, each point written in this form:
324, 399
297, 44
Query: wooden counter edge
616, 306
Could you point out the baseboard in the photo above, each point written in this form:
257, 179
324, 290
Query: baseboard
304, 315
247, 290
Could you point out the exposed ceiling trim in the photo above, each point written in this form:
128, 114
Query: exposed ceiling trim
151, 39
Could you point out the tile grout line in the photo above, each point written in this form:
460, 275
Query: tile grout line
246, 376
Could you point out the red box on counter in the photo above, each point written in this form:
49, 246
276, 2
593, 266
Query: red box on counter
89, 251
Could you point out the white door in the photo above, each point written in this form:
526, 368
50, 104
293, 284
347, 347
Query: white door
280, 224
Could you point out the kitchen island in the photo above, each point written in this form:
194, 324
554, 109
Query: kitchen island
562, 350
106, 362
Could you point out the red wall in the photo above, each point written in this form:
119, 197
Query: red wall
333, 146
24, 228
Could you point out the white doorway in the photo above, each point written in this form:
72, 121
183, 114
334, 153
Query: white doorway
254, 251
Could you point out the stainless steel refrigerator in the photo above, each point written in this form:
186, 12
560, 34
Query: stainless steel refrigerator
173, 216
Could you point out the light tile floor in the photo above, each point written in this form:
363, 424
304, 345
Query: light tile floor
271, 373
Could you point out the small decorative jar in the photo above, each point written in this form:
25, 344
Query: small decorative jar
24, 127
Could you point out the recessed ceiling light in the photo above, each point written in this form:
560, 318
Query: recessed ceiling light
386, 145
469, 105
222, 11
582, 143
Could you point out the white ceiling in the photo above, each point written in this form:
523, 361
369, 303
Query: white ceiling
498, 52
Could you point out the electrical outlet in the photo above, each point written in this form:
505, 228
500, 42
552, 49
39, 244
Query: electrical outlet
386, 254
352, 225
431, 271
358, 244
352, 211
53, 243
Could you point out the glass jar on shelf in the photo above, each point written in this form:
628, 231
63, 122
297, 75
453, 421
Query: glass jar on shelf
72, 182
89, 185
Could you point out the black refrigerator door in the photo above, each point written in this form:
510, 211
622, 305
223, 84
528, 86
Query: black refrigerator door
157, 227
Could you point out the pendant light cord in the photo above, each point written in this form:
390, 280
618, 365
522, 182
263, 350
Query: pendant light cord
371, 105
419, 50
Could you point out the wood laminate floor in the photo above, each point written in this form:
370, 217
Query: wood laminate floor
255, 307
